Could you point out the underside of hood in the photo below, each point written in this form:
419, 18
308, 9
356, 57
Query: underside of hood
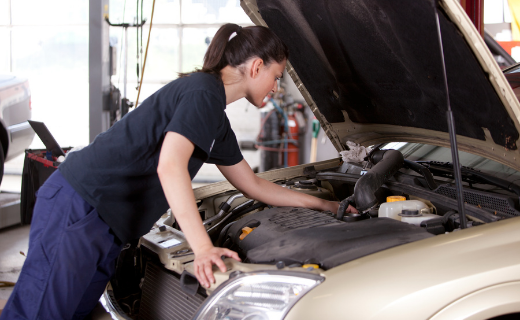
371, 70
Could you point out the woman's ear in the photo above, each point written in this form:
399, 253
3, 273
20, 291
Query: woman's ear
256, 65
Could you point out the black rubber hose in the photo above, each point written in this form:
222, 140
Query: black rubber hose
447, 215
446, 220
223, 234
423, 171
343, 205
387, 162
232, 215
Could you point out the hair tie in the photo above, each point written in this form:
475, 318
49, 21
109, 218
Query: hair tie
234, 34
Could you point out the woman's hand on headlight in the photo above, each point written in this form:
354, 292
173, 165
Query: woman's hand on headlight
204, 261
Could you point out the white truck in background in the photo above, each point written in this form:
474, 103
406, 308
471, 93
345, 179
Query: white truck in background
15, 105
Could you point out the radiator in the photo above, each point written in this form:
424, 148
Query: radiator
162, 297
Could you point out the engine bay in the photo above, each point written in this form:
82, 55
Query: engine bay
398, 204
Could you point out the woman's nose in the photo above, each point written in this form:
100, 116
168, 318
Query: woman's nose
275, 86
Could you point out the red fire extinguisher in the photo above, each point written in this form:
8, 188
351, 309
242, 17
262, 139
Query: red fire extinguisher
292, 146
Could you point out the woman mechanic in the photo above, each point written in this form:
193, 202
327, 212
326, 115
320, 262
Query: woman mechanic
113, 191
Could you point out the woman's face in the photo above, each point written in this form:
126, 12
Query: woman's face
265, 81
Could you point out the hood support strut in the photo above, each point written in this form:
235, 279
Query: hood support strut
453, 137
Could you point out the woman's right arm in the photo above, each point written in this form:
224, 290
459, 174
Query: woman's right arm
176, 183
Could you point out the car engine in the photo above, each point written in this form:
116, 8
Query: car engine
399, 202
297, 236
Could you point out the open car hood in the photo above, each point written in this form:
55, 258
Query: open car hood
371, 71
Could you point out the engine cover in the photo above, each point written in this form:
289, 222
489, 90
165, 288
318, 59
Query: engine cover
298, 235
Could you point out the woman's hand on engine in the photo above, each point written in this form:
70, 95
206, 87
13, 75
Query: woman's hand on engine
205, 258
334, 207
351, 209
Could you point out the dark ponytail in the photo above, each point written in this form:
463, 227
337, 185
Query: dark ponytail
249, 42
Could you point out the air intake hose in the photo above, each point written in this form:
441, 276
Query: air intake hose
386, 163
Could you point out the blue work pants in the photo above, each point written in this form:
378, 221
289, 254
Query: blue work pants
71, 257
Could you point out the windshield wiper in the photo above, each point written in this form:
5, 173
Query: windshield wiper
445, 169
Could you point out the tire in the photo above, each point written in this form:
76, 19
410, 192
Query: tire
2, 158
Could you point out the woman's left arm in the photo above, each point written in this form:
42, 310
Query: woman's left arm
243, 178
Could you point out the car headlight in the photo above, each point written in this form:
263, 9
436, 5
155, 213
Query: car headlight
257, 296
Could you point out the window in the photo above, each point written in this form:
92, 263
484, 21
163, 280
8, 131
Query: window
180, 35
47, 42
4, 12
56, 12
5, 53
213, 11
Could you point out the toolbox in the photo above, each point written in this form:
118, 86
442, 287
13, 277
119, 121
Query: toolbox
38, 165
36, 169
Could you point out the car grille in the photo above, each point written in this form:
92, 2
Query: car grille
163, 298
485, 200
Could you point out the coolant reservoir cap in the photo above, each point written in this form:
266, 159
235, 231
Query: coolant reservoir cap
305, 184
410, 213
395, 198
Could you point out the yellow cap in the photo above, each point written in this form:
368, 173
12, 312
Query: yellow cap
245, 232
395, 198
314, 266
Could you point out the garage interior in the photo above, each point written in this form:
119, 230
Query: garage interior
84, 64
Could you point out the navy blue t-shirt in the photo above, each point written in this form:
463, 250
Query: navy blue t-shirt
117, 172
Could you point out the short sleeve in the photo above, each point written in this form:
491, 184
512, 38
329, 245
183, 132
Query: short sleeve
225, 151
197, 117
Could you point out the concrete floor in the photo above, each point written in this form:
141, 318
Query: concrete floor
13, 246
14, 242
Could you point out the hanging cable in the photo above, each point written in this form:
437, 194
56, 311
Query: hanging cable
141, 46
145, 55
137, 37
139, 40
121, 51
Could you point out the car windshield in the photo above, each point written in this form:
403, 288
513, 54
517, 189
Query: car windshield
425, 152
